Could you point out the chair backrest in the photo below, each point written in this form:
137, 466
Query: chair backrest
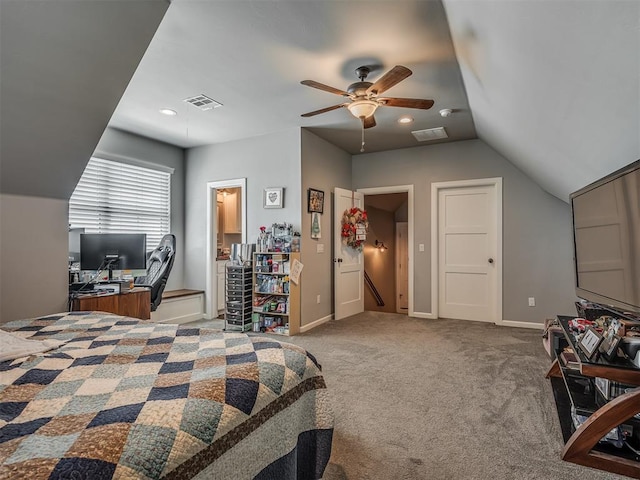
159, 266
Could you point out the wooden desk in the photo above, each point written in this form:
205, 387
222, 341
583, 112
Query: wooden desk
136, 303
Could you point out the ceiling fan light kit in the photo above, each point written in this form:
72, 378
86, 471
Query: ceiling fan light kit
364, 99
362, 108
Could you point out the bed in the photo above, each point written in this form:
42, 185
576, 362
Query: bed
130, 399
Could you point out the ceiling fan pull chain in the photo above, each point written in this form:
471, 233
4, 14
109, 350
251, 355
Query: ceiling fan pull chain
362, 146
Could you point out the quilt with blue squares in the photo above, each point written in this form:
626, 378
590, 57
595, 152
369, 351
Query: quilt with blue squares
130, 399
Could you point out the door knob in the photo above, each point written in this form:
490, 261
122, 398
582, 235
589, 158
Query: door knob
491, 260
338, 260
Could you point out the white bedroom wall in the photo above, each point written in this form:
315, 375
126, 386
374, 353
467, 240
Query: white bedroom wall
34, 244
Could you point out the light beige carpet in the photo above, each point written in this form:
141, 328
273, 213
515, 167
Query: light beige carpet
420, 399
439, 399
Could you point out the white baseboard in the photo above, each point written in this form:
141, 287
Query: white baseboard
504, 323
431, 316
316, 323
180, 309
514, 323
183, 319
423, 315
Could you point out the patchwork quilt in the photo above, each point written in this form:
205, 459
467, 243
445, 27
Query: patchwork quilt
130, 399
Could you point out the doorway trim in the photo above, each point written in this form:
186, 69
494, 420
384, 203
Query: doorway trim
400, 189
211, 288
398, 261
496, 183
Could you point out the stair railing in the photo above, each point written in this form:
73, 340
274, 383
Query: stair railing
374, 290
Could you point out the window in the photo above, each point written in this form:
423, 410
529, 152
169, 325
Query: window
113, 197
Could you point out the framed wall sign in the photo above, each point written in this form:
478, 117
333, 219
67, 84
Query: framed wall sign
273, 197
316, 201
589, 342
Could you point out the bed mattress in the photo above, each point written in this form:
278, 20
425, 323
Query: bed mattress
124, 398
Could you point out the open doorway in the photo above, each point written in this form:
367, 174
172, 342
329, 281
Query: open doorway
226, 225
388, 251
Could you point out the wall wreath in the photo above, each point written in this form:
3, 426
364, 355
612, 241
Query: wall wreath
354, 228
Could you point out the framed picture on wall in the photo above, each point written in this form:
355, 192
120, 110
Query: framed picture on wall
273, 197
315, 201
316, 231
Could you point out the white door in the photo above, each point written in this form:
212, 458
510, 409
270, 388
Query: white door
348, 263
468, 252
402, 267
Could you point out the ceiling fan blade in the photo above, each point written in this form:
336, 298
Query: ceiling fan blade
389, 79
407, 103
326, 88
369, 121
323, 110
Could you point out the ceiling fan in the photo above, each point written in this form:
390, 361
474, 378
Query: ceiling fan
363, 95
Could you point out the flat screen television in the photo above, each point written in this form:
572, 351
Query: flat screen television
115, 251
606, 236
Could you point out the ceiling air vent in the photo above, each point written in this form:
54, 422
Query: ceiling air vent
203, 102
430, 134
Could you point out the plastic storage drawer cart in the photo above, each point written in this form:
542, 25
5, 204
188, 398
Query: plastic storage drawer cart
238, 306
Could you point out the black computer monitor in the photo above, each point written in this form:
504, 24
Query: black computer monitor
115, 251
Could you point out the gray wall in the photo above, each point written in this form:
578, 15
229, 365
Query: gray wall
266, 161
65, 66
324, 166
129, 148
537, 251
34, 243
34, 236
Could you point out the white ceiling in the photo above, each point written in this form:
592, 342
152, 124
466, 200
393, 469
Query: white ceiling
251, 56
554, 86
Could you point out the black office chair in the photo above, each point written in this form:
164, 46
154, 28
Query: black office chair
159, 266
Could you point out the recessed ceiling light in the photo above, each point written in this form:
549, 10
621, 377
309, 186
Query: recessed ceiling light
168, 111
405, 120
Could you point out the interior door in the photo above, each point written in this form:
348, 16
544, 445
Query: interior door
402, 267
348, 263
467, 252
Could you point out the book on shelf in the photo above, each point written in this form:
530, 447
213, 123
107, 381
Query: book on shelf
569, 359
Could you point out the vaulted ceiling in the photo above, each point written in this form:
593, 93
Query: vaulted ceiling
64, 65
553, 86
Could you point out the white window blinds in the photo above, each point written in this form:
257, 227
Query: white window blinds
113, 197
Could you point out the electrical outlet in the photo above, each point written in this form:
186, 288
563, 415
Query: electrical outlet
421, 247
318, 299
532, 301
320, 248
